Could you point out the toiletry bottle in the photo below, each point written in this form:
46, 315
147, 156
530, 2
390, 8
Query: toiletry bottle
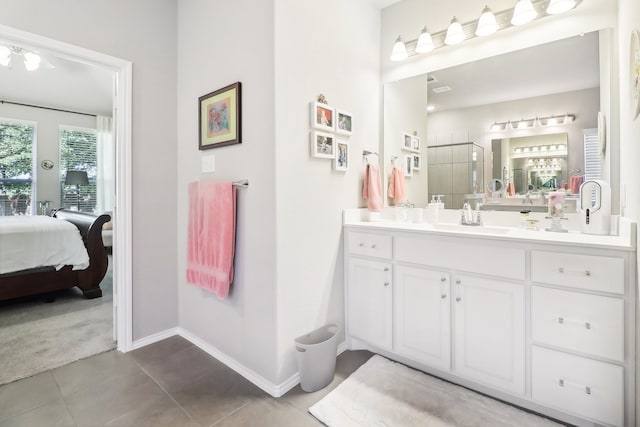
433, 209
524, 216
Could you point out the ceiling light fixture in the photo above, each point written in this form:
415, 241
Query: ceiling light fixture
425, 42
399, 52
560, 6
455, 33
31, 60
523, 12
487, 23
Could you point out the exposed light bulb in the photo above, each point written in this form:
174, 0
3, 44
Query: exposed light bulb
5, 56
31, 61
425, 42
399, 51
487, 23
431, 108
560, 6
523, 12
455, 34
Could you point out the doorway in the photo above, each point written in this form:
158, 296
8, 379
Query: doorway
122, 95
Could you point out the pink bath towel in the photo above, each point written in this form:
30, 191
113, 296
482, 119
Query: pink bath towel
396, 188
212, 235
371, 189
575, 182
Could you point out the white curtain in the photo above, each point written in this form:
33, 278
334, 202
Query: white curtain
106, 165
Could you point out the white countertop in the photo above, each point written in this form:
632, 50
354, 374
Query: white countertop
501, 226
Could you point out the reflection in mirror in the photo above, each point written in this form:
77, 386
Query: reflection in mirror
531, 163
554, 79
496, 187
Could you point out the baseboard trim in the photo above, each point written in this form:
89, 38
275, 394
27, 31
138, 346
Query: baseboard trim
143, 342
275, 390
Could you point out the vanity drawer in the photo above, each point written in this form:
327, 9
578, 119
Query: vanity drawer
588, 388
463, 255
369, 244
586, 323
596, 273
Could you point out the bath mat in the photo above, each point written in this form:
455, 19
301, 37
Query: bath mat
385, 393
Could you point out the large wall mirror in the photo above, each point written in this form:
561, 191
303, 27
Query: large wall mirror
543, 98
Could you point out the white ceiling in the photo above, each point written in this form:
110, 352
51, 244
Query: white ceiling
562, 66
58, 83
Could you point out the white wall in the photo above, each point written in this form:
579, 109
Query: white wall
329, 47
144, 32
220, 43
47, 145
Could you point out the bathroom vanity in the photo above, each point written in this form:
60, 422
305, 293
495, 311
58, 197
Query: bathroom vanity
543, 320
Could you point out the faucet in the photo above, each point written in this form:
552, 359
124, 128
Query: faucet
527, 199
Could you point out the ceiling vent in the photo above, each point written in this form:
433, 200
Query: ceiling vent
441, 89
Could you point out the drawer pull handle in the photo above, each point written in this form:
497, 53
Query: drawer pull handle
443, 296
373, 246
386, 283
443, 279
563, 320
586, 388
361, 244
585, 272
458, 299
386, 269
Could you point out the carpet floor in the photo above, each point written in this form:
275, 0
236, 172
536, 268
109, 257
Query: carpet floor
385, 393
38, 336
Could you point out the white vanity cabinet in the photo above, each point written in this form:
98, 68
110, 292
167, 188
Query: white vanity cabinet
546, 325
422, 315
490, 331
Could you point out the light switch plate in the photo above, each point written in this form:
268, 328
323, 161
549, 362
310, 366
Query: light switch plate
208, 163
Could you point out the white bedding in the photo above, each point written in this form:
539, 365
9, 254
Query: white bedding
40, 241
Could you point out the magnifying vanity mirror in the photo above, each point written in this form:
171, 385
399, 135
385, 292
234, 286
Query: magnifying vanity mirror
545, 100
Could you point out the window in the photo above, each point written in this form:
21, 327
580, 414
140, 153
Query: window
16, 167
78, 153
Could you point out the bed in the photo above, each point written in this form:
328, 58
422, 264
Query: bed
86, 270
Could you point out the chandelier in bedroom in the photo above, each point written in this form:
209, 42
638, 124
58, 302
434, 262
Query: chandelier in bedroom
31, 60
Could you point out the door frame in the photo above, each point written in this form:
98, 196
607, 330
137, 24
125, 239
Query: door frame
122, 115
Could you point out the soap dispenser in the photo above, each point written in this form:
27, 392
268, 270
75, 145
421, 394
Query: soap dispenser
434, 208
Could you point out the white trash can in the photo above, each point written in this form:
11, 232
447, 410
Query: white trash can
316, 352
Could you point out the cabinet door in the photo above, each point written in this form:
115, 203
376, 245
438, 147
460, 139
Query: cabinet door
422, 316
369, 302
490, 332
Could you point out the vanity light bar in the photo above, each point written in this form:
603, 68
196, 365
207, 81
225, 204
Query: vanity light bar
457, 32
537, 121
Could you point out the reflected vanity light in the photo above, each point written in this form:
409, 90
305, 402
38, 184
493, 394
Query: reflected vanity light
524, 11
529, 123
431, 108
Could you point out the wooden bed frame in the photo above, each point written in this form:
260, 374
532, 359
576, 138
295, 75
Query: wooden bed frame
47, 279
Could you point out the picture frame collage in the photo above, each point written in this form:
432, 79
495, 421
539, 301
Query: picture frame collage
413, 161
330, 126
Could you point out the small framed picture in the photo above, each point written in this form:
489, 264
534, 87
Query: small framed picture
323, 117
406, 141
415, 144
341, 159
322, 145
344, 122
417, 162
408, 165
219, 116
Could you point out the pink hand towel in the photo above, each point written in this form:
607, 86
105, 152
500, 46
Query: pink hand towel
575, 182
211, 237
397, 189
371, 189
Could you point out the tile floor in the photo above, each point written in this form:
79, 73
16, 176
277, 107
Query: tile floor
169, 383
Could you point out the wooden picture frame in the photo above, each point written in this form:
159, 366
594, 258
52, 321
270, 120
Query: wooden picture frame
323, 145
220, 117
323, 117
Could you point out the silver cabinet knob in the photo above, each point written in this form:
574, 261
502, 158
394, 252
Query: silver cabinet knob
386, 283
443, 279
587, 273
458, 299
458, 281
386, 269
443, 296
373, 246
361, 244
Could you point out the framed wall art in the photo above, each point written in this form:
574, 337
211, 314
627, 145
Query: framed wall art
341, 159
408, 165
220, 117
323, 116
322, 145
634, 74
344, 122
410, 143
417, 162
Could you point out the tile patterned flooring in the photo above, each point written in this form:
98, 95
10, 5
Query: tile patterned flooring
169, 383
